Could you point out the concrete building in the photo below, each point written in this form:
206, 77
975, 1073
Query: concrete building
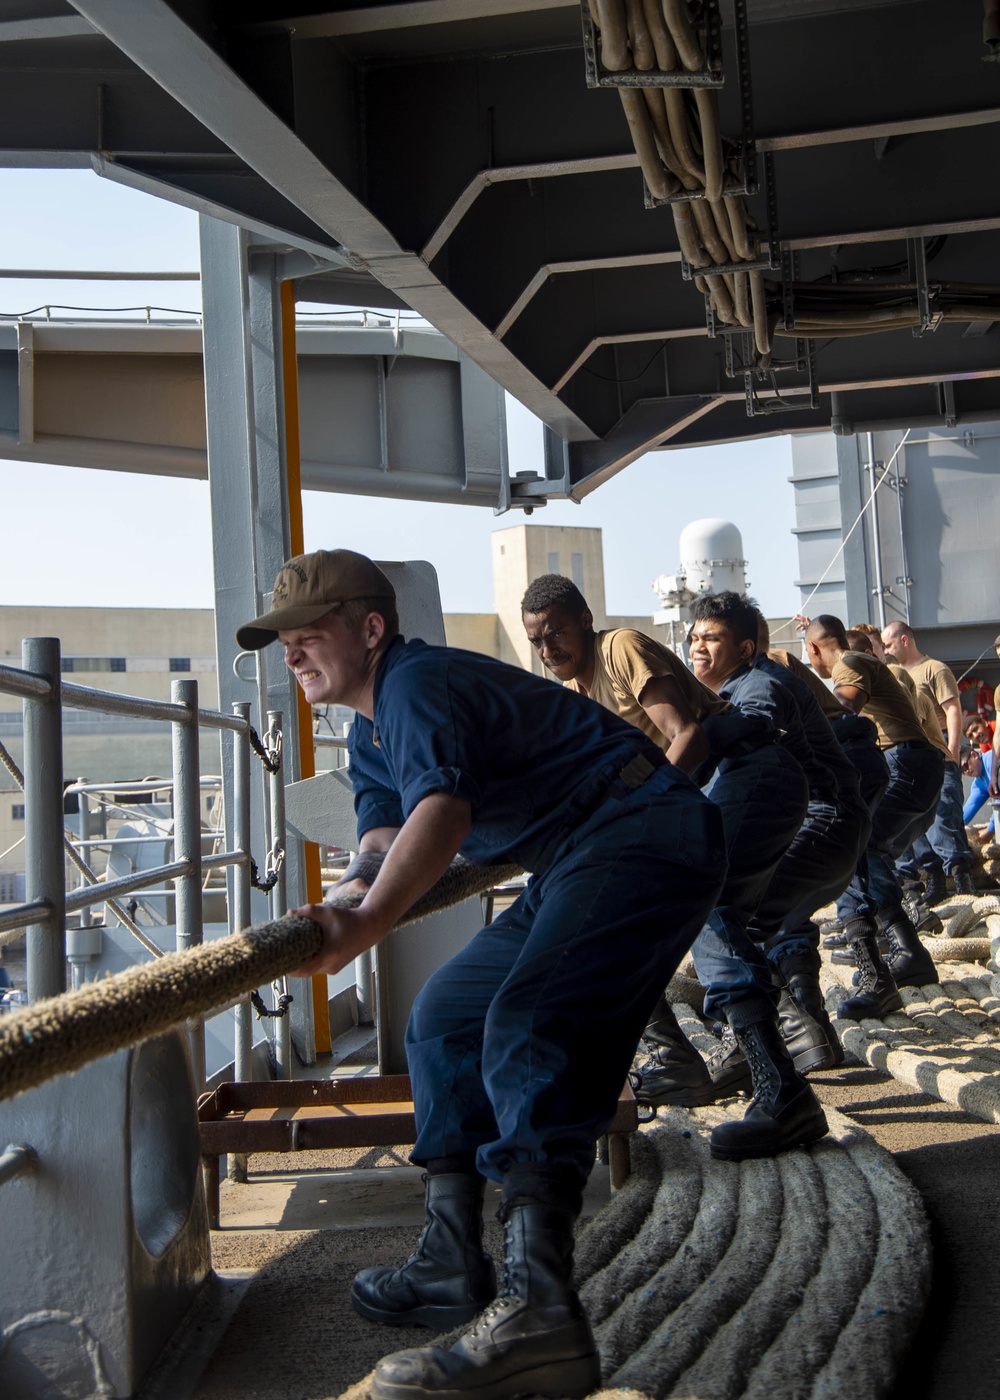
139, 651
135, 651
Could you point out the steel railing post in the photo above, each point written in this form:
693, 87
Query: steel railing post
187, 817
83, 822
279, 891
240, 918
188, 916
45, 874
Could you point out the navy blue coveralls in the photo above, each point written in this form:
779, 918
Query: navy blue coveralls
822, 856
763, 796
518, 1047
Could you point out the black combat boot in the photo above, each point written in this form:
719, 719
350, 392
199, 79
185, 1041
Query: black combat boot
935, 886
805, 1024
845, 957
784, 1112
534, 1339
877, 993
964, 883
448, 1278
919, 913
909, 961
728, 1067
673, 1071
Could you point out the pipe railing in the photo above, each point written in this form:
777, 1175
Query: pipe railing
43, 913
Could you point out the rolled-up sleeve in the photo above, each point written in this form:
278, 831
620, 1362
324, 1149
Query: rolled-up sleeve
376, 802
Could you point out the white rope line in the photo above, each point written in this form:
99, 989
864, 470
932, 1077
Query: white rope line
860, 516
18, 842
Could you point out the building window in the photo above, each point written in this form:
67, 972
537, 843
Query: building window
92, 663
17, 812
578, 571
553, 561
66, 664
180, 663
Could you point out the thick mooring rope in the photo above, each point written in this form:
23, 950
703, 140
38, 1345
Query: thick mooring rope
64, 1033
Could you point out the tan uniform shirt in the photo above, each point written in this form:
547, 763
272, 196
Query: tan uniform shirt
888, 703
828, 702
925, 709
625, 662
937, 681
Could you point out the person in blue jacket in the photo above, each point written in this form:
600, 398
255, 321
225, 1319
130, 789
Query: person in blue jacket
518, 1047
978, 765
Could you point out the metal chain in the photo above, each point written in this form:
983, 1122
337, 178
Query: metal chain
270, 758
263, 1012
271, 877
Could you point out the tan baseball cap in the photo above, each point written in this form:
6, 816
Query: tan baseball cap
308, 586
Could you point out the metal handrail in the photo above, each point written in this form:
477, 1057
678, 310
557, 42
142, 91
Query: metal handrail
18, 915
39, 685
15, 681
87, 895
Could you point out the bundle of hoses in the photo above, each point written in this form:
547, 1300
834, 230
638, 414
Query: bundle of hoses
830, 309
681, 151
64, 1033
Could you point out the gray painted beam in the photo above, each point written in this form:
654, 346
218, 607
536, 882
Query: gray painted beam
249, 526
157, 40
375, 19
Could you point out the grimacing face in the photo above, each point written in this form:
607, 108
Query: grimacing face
715, 653
562, 640
329, 659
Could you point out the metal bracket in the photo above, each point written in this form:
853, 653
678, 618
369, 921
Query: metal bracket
804, 363
746, 183
709, 32
916, 257
759, 264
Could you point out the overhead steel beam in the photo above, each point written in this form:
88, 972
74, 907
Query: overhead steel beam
624, 338
557, 269
879, 131
157, 40
44, 27
230, 205
379, 18
594, 165
649, 425
543, 170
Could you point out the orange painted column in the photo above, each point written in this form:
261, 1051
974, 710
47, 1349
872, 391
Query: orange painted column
307, 760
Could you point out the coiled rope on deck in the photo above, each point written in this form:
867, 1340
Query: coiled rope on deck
62, 1034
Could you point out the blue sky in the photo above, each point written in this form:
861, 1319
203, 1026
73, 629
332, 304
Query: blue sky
66, 531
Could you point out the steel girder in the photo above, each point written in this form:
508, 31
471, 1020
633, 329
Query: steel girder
450, 152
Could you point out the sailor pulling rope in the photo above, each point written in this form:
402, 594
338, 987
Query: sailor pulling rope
64, 1033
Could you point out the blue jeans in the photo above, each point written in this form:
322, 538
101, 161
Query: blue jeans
914, 781
518, 1047
944, 844
763, 797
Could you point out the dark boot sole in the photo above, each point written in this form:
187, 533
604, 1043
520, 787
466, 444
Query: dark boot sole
816, 1058
439, 1319
808, 1135
681, 1098
574, 1379
891, 1002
